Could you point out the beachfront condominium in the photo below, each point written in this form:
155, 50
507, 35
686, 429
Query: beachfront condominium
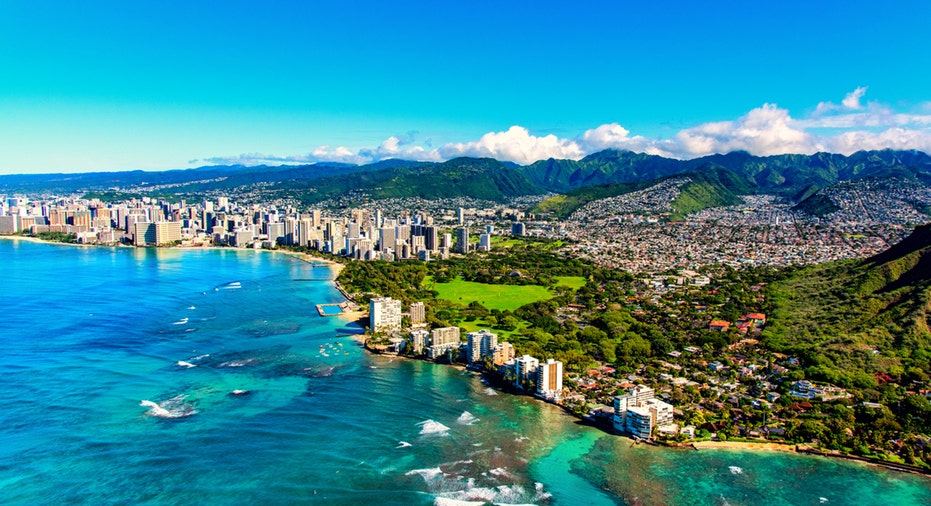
418, 313
481, 344
525, 369
442, 340
384, 314
419, 340
638, 412
503, 354
549, 379
158, 234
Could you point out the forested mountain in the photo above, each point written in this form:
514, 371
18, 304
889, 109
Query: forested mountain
793, 176
710, 186
787, 175
853, 319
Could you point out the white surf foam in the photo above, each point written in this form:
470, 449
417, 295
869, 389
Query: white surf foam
427, 474
182, 363
446, 501
403, 444
736, 470
236, 363
182, 321
172, 408
428, 427
466, 418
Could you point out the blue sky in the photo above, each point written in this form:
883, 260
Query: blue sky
158, 85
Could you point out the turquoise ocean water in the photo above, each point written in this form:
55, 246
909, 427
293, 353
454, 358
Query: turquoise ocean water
88, 334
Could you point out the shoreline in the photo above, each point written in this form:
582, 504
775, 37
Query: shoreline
351, 316
359, 315
695, 445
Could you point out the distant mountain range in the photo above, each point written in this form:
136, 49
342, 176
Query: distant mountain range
796, 177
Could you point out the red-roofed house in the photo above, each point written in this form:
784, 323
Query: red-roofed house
719, 325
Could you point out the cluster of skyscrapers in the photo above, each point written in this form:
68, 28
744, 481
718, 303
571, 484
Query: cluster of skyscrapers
364, 234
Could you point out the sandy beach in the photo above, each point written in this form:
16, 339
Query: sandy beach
744, 445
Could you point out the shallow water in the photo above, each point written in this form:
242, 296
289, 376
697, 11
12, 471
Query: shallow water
91, 333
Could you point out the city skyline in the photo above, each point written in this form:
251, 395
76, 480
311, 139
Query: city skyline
130, 86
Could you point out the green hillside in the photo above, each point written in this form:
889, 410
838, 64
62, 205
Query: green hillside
711, 187
481, 178
850, 320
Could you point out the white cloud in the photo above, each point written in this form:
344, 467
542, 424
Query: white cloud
852, 100
892, 138
516, 145
766, 130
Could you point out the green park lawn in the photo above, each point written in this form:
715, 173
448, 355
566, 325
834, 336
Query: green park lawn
573, 282
501, 297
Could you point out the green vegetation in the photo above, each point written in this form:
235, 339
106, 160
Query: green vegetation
561, 206
114, 196
707, 189
58, 237
853, 320
501, 297
817, 205
572, 282
860, 326
710, 187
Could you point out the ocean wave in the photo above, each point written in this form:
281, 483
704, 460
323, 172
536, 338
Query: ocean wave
171, 408
237, 363
182, 363
182, 321
427, 474
466, 418
428, 427
403, 444
445, 501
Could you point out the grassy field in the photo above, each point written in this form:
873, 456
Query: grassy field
574, 282
499, 297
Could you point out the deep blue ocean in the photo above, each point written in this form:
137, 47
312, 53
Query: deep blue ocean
142, 376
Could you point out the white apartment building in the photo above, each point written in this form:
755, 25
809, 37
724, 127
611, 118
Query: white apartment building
384, 314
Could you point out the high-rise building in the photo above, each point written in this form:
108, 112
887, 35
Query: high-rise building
525, 368
638, 412
549, 379
462, 240
431, 241
481, 344
387, 239
419, 340
503, 353
384, 314
167, 232
418, 313
275, 231
443, 340
484, 242
517, 229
